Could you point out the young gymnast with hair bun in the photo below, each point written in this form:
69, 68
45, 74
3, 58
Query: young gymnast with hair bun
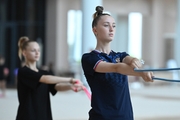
106, 73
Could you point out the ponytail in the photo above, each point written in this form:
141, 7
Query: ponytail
22, 44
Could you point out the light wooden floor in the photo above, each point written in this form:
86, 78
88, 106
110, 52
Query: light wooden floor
149, 103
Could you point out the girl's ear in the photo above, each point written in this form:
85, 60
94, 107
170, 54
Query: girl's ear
24, 53
94, 31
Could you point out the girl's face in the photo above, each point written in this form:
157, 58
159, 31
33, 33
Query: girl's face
105, 29
32, 52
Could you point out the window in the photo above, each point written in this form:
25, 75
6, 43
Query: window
135, 34
74, 35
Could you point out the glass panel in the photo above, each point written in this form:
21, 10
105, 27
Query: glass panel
74, 35
135, 34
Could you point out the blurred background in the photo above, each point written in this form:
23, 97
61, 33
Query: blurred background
146, 29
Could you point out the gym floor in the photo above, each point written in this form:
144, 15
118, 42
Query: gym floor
149, 103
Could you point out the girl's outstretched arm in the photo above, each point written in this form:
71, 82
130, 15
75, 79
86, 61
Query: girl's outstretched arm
68, 86
50, 79
122, 68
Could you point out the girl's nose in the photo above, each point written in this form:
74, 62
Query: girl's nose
111, 28
37, 52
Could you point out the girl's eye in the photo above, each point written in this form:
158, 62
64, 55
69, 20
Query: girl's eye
106, 25
33, 50
114, 26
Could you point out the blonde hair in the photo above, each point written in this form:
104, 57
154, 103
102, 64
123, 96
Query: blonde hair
22, 43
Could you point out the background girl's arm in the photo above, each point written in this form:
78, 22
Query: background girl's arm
68, 86
50, 79
62, 83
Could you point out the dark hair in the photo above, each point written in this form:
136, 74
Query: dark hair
97, 15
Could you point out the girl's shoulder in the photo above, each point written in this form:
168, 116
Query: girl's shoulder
22, 68
119, 52
44, 72
25, 70
90, 54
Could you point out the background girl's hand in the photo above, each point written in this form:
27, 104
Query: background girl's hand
147, 76
75, 81
77, 85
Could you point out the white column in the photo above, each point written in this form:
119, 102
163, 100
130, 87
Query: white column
51, 21
157, 32
88, 38
177, 39
56, 35
120, 42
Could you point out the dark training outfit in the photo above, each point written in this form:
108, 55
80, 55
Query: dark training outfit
110, 91
33, 96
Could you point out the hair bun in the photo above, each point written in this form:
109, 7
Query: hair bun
97, 15
99, 10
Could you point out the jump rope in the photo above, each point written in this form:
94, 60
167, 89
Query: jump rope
143, 70
158, 70
161, 69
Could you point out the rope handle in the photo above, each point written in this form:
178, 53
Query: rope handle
161, 69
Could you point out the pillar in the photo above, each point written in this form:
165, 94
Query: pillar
88, 38
56, 35
177, 39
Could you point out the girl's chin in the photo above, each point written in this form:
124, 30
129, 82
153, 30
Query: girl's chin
36, 60
110, 40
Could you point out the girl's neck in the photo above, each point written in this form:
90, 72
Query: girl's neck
32, 66
104, 49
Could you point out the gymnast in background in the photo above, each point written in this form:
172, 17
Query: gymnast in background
34, 85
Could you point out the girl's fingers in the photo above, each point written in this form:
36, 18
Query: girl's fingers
148, 76
75, 90
77, 87
136, 64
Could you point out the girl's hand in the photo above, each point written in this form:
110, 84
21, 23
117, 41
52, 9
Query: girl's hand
77, 85
136, 63
147, 76
75, 81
